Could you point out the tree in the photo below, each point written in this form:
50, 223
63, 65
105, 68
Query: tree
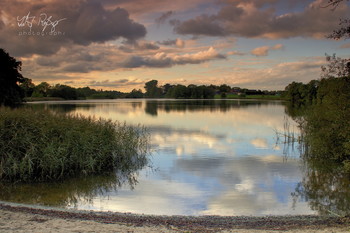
84, 92
27, 87
336, 68
41, 90
10, 78
334, 3
152, 89
135, 94
166, 88
344, 30
64, 91
224, 88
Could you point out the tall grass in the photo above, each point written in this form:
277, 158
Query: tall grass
40, 145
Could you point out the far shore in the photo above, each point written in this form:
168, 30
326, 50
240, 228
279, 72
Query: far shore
44, 99
23, 218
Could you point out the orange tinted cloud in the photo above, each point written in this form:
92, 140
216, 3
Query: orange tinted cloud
264, 50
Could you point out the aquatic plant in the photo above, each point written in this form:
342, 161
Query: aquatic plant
41, 145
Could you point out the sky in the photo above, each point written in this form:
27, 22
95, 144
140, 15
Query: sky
122, 44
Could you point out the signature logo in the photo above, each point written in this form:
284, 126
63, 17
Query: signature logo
45, 23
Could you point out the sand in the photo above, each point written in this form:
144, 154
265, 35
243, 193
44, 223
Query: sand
16, 218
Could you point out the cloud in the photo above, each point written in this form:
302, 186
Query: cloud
264, 50
259, 19
260, 143
146, 46
345, 46
178, 43
277, 47
235, 53
78, 22
167, 60
258, 73
126, 82
76, 59
140, 8
251, 191
201, 25
261, 51
161, 19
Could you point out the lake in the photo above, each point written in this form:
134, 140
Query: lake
208, 157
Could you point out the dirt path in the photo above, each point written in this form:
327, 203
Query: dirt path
14, 218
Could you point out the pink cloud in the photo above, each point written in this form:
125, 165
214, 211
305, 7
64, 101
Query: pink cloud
264, 50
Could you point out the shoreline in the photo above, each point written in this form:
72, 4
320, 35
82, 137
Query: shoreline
49, 99
152, 223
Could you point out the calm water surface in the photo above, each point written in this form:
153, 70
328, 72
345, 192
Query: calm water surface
208, 157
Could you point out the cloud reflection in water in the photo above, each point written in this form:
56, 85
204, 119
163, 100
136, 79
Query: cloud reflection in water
209, 158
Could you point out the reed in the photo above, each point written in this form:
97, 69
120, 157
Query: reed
41, 145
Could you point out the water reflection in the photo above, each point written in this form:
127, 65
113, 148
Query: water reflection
74, 192
153, 106
211, 157
247, 191
326, 153
328, 192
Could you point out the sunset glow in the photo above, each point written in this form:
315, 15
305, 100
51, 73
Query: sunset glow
120, 45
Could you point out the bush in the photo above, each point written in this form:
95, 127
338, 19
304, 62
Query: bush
41, 145
327, 125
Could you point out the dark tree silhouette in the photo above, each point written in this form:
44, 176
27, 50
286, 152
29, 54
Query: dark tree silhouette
334, 3
344, 30
10, 78
152, 89
336, 68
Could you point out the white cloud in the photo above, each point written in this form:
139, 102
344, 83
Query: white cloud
260, 143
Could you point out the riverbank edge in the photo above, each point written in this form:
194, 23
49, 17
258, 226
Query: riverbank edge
188, 223
49, 99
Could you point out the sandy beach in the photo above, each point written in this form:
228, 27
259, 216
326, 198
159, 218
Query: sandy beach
17, 218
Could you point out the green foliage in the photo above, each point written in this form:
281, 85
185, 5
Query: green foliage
152, 89
135, 94
84, 92
322, 108
65, 92
299, 93
106, 95
41, 90
224, 88
45, 91
190, 92
327, 127
244, 96
10, 92
41, 145
27, 86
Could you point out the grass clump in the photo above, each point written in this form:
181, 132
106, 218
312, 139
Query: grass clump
41, 145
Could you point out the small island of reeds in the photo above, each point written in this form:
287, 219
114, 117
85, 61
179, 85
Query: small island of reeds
41, 145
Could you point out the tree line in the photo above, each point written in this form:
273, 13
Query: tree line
44, 90
334, 81
192, 91
152, 90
